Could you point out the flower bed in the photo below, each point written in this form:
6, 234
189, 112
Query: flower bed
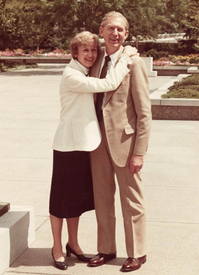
170, 60
178, 60
41, 52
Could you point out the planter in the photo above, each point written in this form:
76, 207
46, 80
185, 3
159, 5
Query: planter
173, 108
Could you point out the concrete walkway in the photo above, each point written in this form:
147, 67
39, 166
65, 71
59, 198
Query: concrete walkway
29, 112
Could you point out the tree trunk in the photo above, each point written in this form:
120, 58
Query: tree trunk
137, 42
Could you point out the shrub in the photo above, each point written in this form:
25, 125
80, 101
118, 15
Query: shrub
183, 93
187, 46
157, 55
152, 53
179, 58
186, 88
165, 47
184, 59
194, 59
162, 54
10, 65
183, 47
190, 80
1, 67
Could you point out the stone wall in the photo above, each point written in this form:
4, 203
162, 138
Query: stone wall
175, 112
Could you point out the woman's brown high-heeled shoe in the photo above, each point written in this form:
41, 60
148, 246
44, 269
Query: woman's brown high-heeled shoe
60, 265
80, 257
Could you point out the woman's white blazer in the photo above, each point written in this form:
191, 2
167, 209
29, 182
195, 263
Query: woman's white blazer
78, 128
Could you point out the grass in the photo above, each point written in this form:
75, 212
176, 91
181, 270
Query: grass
11, 66
186, 88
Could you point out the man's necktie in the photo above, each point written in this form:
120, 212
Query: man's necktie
100, 96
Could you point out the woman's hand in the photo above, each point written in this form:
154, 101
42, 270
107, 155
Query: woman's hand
130, 51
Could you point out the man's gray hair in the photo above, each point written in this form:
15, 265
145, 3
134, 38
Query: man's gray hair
114, 14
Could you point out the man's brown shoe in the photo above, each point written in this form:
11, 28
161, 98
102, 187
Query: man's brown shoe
101, 259
132, 264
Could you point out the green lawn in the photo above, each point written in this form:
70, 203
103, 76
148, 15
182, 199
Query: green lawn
186, 88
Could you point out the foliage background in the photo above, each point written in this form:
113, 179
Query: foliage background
50, 24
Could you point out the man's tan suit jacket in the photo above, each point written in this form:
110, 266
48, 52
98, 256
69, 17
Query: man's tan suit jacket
127, 113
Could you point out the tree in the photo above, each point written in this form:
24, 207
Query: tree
90, 13
45, 20
190, 22
174, 13
10, 31
144, 15
52, 23
39, 23
144, 18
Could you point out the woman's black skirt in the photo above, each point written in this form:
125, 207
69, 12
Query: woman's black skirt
71, 187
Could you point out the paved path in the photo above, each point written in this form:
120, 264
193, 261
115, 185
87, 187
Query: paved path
29, 112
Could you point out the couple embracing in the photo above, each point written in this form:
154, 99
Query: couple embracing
103, 131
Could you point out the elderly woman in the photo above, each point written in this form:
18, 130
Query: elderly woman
76, 135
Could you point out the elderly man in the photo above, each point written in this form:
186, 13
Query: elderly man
125, 120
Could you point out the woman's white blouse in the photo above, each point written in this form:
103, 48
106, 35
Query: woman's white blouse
78, 128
